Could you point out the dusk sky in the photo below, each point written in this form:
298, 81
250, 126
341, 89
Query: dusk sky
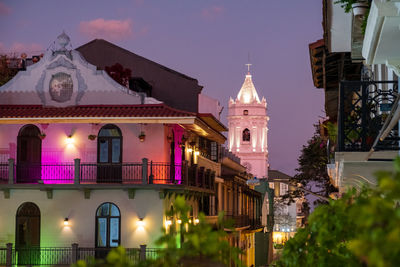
207, 40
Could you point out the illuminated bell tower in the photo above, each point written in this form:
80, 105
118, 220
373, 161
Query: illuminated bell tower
248, 128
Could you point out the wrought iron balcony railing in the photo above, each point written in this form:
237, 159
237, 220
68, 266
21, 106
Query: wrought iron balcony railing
363, 108
65, 256
146, 172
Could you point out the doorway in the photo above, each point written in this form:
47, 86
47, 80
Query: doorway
29, 155
109, 155
27, 236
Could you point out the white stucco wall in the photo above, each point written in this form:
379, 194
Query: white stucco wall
81, 213
209, 105
254, 152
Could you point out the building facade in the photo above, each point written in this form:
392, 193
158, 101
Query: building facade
358, 68
86, 161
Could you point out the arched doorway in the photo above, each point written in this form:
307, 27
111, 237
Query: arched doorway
108, 228
29, 155
27, 234
109, 154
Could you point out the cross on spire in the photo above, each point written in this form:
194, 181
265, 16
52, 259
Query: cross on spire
248, 67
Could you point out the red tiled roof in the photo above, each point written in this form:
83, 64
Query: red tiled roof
92, 111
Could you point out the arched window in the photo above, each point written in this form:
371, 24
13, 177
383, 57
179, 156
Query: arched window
109, 154
246, 135
29, 154
27, 234
108, 226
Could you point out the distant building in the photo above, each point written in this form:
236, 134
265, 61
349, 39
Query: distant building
287, 218
175, 89
248, 129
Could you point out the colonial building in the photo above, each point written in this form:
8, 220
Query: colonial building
356, 63
86, 161
248, 129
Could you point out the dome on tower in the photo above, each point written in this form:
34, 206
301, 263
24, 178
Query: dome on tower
248, 93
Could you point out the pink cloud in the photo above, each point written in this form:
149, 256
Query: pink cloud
18, 48
4, 10
113, 30
212, 12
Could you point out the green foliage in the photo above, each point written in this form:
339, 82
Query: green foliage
360, 229
200, 241
332, 130
346, 4
364, 22
312, 169
116, 257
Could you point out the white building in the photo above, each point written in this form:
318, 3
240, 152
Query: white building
248, 129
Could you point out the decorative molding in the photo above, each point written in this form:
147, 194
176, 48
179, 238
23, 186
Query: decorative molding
49, 193
86, 193
81, 86
55, 54
162, 194
40, 88
61, 62
131, 193
6, 192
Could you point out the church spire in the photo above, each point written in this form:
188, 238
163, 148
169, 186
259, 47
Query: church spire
248, 93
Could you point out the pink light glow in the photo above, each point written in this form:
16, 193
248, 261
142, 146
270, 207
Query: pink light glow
178, 153
57, 173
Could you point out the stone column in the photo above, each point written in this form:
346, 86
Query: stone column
77, 171
11, 165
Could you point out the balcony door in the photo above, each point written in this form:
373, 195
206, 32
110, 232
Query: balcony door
27, 234
108, 228
109, 155
29, 154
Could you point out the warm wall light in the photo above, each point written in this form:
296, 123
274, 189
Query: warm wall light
66, 222
70, 140
190, 150
196, 221
179, 221
140, 222
142, 136
197, 153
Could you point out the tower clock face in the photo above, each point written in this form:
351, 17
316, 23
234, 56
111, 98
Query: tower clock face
61, 87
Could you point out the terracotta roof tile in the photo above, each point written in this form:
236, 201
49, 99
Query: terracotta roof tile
38, 111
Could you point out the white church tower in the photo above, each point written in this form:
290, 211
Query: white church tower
248, 128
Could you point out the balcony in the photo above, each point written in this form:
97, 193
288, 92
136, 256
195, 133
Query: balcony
77, 173
66, 256
363, 108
